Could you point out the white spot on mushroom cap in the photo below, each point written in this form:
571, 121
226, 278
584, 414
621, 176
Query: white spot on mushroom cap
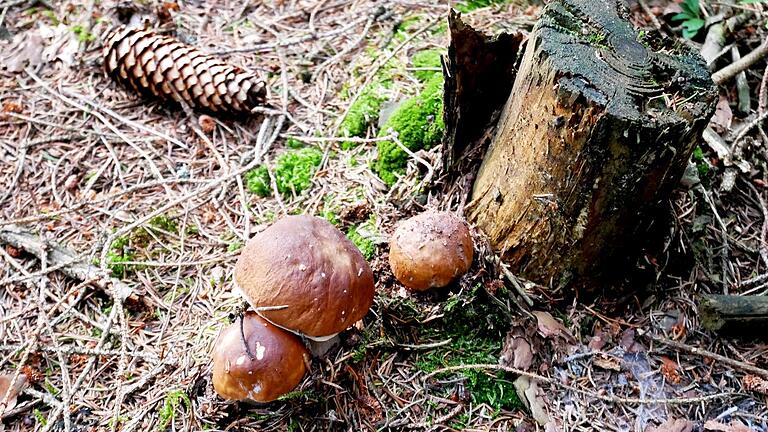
260, 349
240, 360
302, 267
255, 390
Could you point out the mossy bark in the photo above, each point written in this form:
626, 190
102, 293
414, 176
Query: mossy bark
595, 134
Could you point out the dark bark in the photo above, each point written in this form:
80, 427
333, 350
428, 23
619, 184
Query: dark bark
735, 315
595, 134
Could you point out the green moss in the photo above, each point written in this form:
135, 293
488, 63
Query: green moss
362, 236
171, 403
293, 173
119, 252
294, 143
419, 124
476, 327
701, 163
470, 5
363, 113
164, 223
426, 59
82, 34
235, 246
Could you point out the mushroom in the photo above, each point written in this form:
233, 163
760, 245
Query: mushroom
269, 364
304, 275
430, 250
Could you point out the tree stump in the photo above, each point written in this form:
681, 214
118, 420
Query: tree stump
595, 134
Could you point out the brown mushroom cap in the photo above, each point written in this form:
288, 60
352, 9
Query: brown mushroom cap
309, 266
277, 366
430, 250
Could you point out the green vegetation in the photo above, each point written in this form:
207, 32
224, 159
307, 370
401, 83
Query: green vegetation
164, 223
476, 327
419, 124
701, 163
119, 252
294, 143
470, 5
362, 236
690, 17
364, 112
234, 246
426, 59
39, 417
170, 405
293, 173
83, 35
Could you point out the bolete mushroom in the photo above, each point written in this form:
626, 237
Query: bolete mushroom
261, 363
430, 250
304, 275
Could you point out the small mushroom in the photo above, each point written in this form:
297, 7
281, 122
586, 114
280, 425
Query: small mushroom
269, 364
304, 275
430, 250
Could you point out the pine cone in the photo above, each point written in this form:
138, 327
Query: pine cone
163, 67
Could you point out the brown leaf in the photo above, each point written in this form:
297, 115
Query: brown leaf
608, 363
735, 426
26, 50
723, 115
516, 353
671, 370
549, 326
672, 425
9, 390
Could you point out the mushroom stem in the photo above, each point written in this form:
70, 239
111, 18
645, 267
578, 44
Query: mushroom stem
319, 347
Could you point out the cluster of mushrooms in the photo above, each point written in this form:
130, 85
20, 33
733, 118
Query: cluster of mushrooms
304, 280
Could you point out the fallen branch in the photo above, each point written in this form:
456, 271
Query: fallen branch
748, 60
61, 258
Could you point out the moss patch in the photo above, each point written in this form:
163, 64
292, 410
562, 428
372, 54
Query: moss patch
364, 112
362, 236
476, 328
470, 5
419, 124
293, 173
426, 59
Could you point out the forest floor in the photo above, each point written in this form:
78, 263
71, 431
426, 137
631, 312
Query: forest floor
162, 200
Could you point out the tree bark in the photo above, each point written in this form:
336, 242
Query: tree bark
735, 315
595, 134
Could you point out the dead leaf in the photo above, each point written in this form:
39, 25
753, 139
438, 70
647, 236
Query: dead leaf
45, 44
12, 107
549, 326
9, 390
532, 397
735, 426
723, 115
672, 425
670, 370
26, 49
61, 44
516, 353
607, 363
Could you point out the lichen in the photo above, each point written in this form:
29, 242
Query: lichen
293, 173
426, 59
419, 124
